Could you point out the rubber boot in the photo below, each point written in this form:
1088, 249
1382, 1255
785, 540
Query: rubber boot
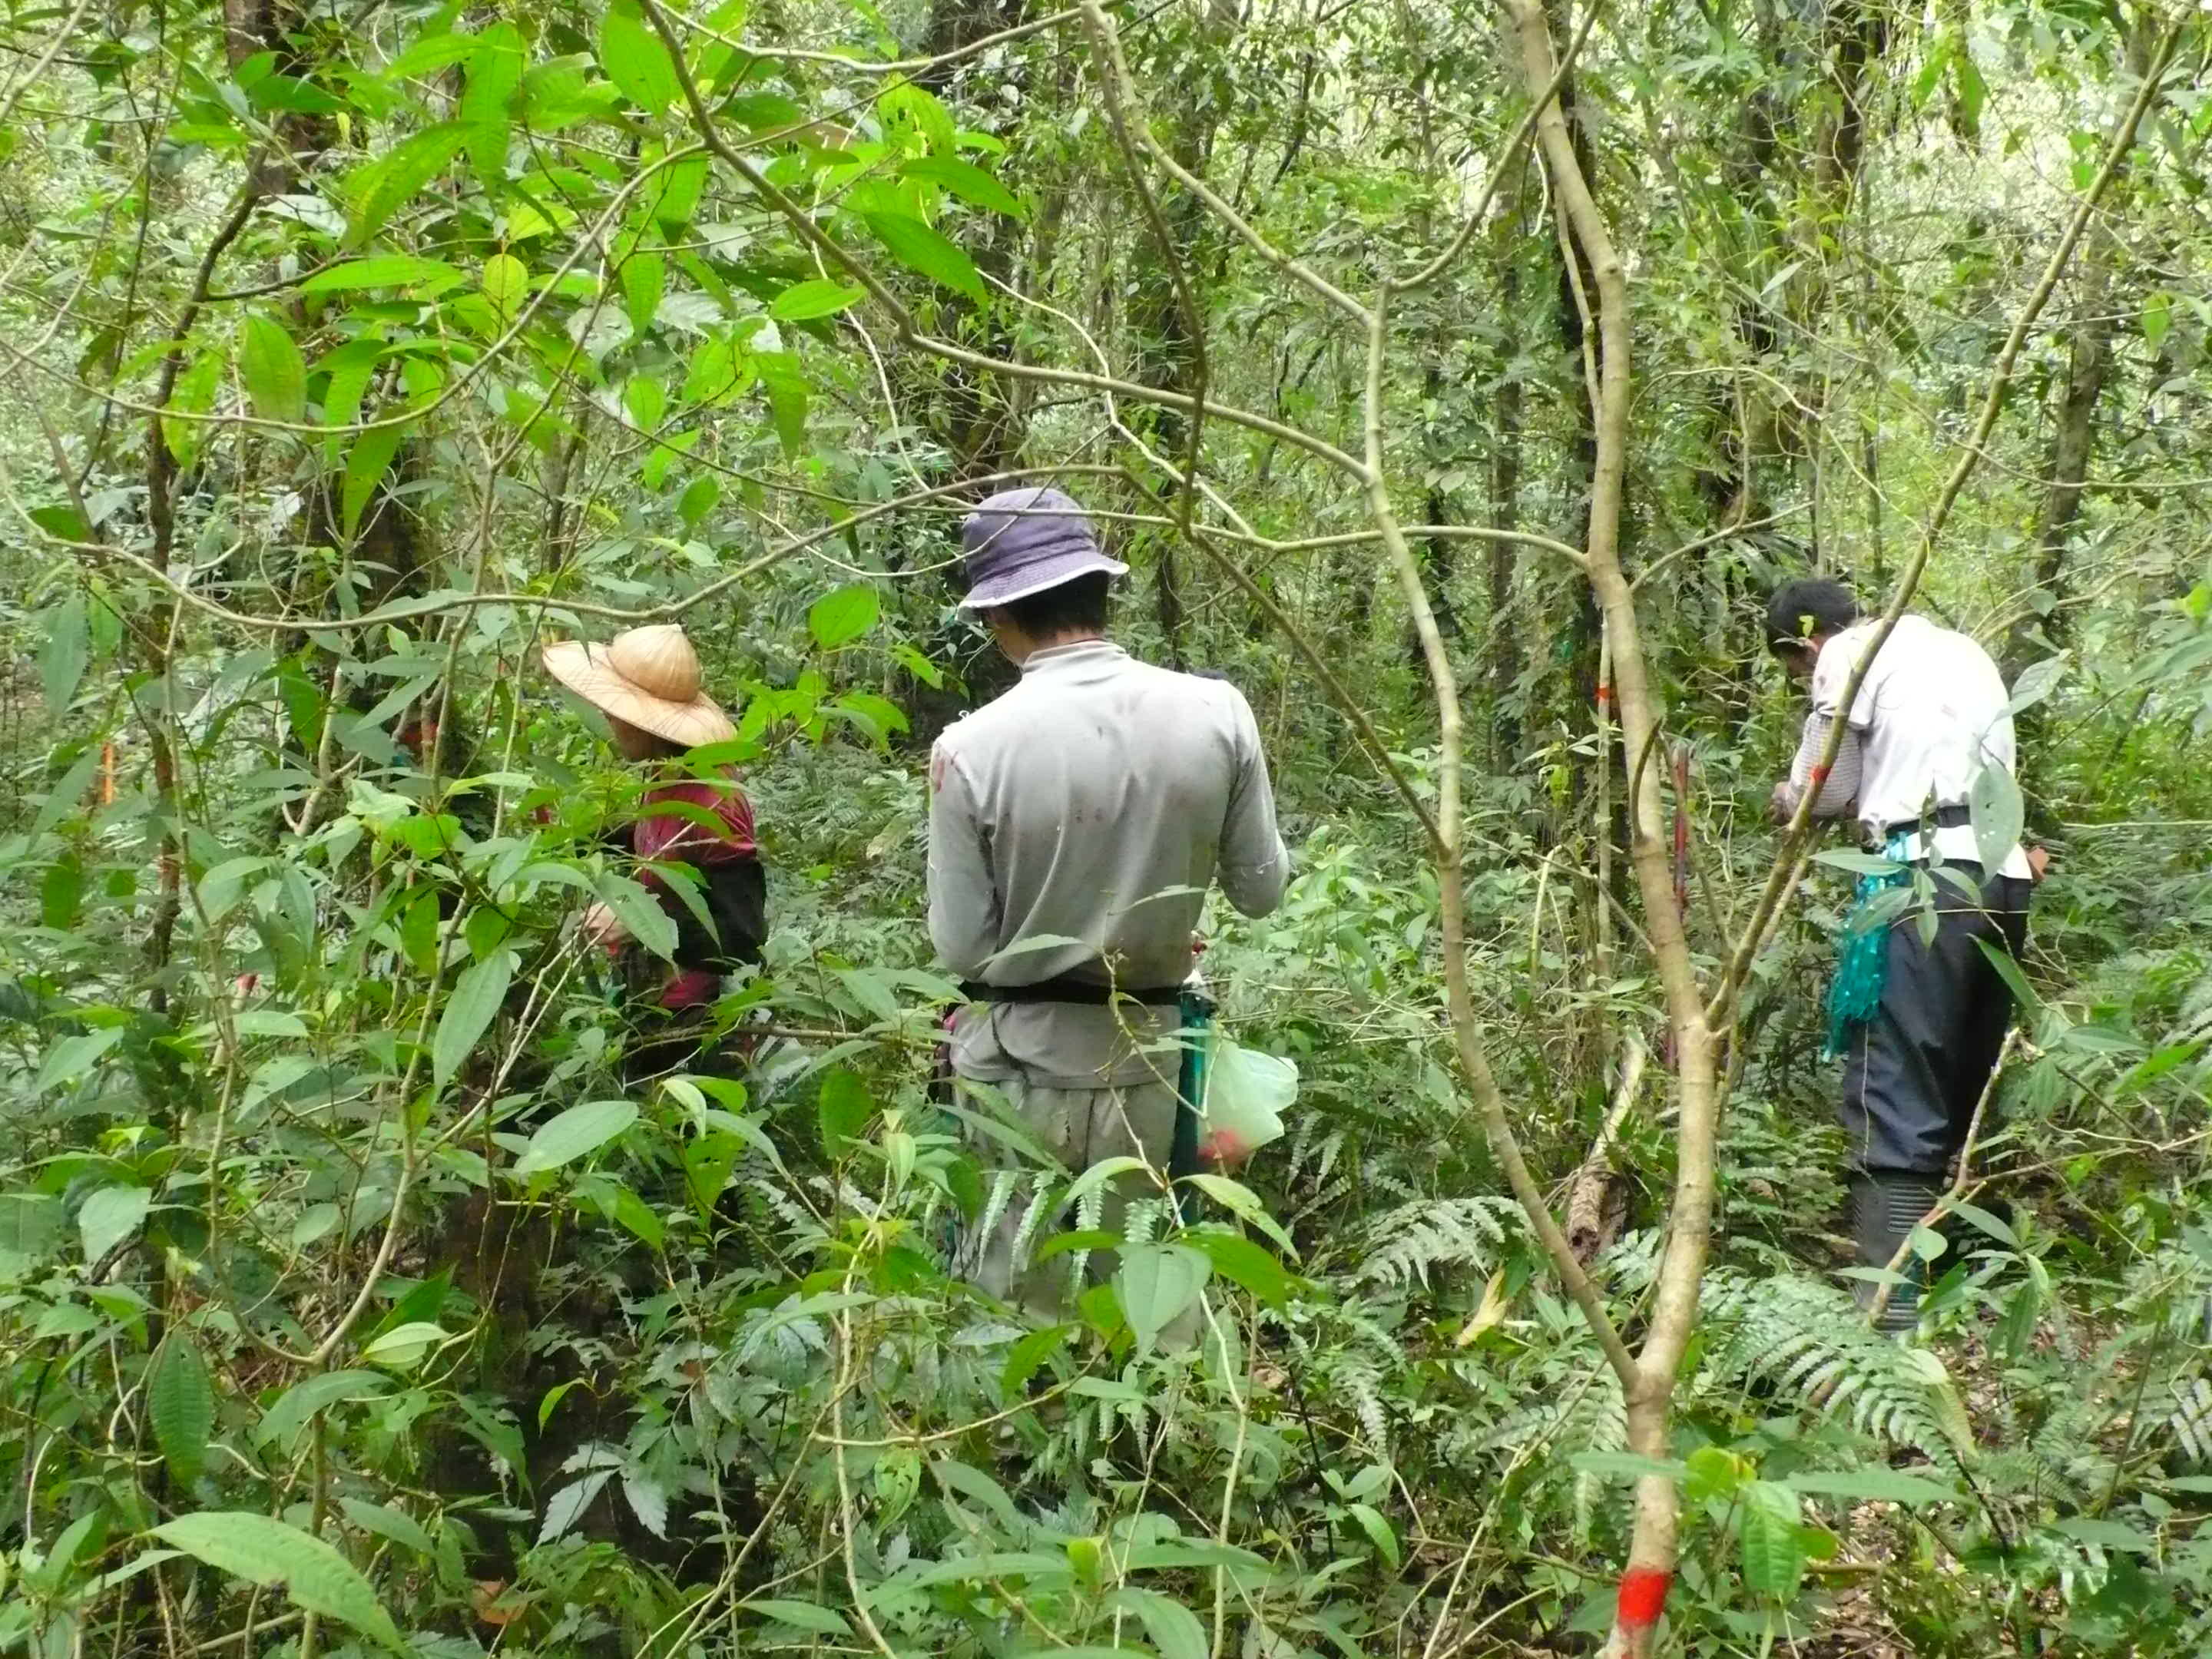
1886, 1206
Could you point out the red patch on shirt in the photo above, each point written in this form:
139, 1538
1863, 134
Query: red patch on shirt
936, 759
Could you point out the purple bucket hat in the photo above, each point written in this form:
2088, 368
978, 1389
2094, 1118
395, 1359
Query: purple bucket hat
1020, 542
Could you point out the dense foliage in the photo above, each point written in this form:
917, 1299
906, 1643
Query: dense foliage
349, 1301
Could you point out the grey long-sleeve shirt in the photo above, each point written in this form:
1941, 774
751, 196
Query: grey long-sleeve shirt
1097, 800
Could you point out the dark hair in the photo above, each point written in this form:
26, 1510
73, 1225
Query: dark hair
1810, 606
1067, 607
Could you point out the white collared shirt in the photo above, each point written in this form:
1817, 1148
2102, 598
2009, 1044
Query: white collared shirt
1930, 714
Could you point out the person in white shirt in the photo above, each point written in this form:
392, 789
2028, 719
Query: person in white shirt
1088, 809
1918, 1022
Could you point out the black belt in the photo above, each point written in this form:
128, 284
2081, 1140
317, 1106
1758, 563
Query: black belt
1063, 988
1944, 817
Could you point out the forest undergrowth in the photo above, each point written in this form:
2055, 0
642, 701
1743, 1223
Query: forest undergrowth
350, 1300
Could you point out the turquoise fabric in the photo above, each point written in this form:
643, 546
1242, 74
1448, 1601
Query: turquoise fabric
1863, 954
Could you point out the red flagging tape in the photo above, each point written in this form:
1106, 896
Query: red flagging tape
1643, 1594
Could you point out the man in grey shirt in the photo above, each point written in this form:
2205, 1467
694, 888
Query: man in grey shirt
1075, 825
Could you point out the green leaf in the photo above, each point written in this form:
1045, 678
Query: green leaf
1244, 1204
800, 1615
2037, 681
1872, 1484
646, 401
1999, 814
506, 284
366, 462
843, 1109
430, 53
180, 1403
275, 374
644, 283
1173, 1627
1987, 1223
64, 652
401, 1527
1237, 1257
264, 1551
720, 369
403, 1346
1029, 1356
1624, 1465
283, 1421
109, 1216
918, 247
61, 801
640, 914
389, 183
1156, 1283
1773, 1551
569, 1135
967, 181
803, 302
193, 394
843, 614
2157, 319
680, 185
635, 60
1378, 1531
468, 1012
494, 72
381, 270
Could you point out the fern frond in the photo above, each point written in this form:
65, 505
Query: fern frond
1404, 1244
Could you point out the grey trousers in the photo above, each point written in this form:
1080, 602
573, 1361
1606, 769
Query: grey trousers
1079, 1126
1915, 1071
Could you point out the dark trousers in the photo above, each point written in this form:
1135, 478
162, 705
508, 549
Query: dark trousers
1917, 1069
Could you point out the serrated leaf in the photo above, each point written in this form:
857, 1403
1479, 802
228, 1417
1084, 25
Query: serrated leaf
843, 614
264, 1551
468, 1012
180, 1404
109, 1216
567, 1506
918, 247
569, 1135
634, 58
803, 302
275, 374
648, 1501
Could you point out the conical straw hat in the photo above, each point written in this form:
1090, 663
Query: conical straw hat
648, 677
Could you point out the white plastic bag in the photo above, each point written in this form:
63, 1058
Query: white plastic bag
1247, 1093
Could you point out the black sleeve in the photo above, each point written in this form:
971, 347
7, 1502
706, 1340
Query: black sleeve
736, 896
